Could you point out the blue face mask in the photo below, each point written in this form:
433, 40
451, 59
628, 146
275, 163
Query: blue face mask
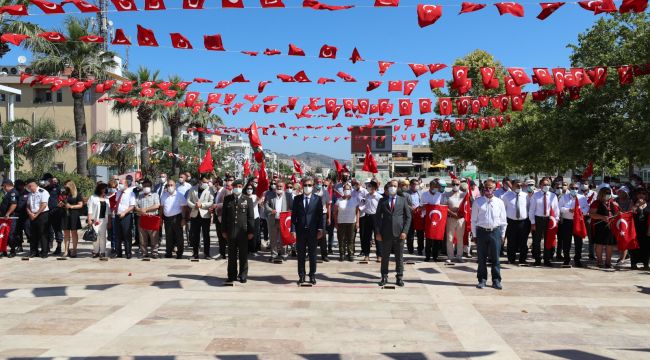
573, 192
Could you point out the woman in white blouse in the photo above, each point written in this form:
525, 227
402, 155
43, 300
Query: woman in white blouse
98, 216
346, 219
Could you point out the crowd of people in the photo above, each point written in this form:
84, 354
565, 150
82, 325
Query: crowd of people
123, 213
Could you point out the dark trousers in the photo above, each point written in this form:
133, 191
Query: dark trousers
173, 235
264, 229
539, 240
432, 248
12, 241
136, 233
110, 235
223, 244
38, 237
124, 231
396, 246
589, 235
330, 236
255, 243
238, 250
517, 234
22, 226
488, 242
367, 233
306, 246
55, 226
322, 243
200, 227
565, 232
411, 239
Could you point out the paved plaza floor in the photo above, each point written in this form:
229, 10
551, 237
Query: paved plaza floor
176, 309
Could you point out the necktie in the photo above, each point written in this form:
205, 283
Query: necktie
518, 214
544, 194
306, 202
392, 203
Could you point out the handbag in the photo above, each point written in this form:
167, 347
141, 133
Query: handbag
90, 234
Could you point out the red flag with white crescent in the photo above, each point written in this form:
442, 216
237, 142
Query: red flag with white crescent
5, 230
551, 232
285, 228
579, 226
436, 220
625, 232
418, 219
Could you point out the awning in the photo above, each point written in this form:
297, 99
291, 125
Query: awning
438, 166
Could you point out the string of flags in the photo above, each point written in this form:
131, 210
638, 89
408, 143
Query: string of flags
427, 14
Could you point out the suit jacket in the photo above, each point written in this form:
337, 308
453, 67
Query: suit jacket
307, 221
238, 216
391, 223
206, 199
269, 205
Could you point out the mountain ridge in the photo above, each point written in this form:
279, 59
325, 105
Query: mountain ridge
312, 159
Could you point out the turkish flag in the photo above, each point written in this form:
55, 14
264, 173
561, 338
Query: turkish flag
154, 5
272, 3
285, 228
193, 4
295, 51
369, 164
383, 3
405, 107
48, 7
213, 42
588, 171
467, 7
551, 232
355, 56
52, 36
92, 39
444, 106
395, 85
462, 105
297, 167
542, 76
598, 75
346, 77
179, 41
234, 4
579, 226
465, 212
327, 52
637, 6
519, 76
625, 74
436, 83
558, 75
149, 222
428, 14
247, 168
425, 106
418, 217
120, 38
124, 5
383, 66
460, 76
254, 137
511, 87
624, 230
548, 9
16, 10
5, 230
15, 39
82, 5
146, 37
511, 8
409, 86
436, 220
517, 101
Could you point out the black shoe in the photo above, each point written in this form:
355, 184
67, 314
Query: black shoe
427, 259
168, 256
420, 252
547, 263
350, 258
179, 256
566, 263
195, 256
95, 255
537, 263
102, 255
11, 254
634, 267
312, 279
330, 251
301, 280
326, 259
32, 255
497, 284
208, 257
230, 280
341, 258
411, 252
243, 280
128, 256
57, 252
384, 281
44, 256
577, 263
592, 258
399, 283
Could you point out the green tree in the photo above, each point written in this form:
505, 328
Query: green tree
144, 109
121, 154
16, 25
41, 156
86, 60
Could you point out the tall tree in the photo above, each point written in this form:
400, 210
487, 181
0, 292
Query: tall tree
84, 61
120, 154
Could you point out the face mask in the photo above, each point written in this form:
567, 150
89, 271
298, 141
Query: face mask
273, 187
531, 189
163, 180
110, 190
249, 191
633, 183
463, 186
558, 191
204, 186
392, 190
434, 190
608, 197
585, 187
455, 188
120, 186
279, 191
181, 181
517, 191
347, 192
546, 188
236, 191
146, 190
573, 192
171, 189
308, 189
318, 187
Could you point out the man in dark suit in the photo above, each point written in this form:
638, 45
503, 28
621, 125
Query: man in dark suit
238, 225
307, 226
392, 222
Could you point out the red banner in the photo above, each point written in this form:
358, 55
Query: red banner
285, 228
579, 226
623, 228
5, 230
436, 220
551, 232
418, 219
150, 222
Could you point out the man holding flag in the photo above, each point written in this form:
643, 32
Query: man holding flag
572, 207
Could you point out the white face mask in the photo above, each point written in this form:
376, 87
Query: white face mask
517, 191
585, 187
121, 187
205, 186
181, 181
171, 189
608, 197
455, 188
308, 189
392, 190
279, 191
558, 191
347, 192
236, 191
249, 191
463, 186
546, 188
146, 190
163, 179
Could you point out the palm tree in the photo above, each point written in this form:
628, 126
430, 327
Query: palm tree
203, 119
121, 152
41, 156
86, 61
144, 109
175, 119
14, 24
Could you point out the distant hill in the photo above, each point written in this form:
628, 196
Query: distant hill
312, 159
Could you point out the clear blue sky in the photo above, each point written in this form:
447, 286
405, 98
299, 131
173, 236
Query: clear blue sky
378, 33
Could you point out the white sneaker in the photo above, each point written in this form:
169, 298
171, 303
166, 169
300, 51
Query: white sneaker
448, 261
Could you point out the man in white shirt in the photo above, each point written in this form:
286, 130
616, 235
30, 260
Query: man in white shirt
590, 195
435, 196
183, 185
488, 226
414, 194
368, 208
505, 187
172, 203
455, 226
273, 206
567, 209
516, 203
125, 204
37, 212
542, 204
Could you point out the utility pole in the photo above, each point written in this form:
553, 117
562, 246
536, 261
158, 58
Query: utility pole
103, 22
